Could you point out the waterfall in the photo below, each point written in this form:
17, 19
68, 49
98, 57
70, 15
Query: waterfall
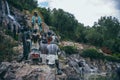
8, 9
11, 18
8, 12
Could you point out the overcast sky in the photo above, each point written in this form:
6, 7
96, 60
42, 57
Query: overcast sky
85, 11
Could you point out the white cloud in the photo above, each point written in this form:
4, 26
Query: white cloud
86, 11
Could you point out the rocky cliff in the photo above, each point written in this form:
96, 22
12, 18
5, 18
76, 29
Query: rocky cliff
74, 67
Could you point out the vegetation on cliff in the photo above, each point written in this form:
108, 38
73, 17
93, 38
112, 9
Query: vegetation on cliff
104, 34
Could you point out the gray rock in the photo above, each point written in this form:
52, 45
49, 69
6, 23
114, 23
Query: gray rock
10, 76
3, 69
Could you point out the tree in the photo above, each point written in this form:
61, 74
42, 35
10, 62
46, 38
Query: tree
94, 37
79, 33
24, 4
64, 22
46, 13
111, 27
116, 45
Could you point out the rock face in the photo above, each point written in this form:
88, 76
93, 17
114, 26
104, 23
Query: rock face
22, 71
19, 16
73, 67
70, 67
76, 68
25, 71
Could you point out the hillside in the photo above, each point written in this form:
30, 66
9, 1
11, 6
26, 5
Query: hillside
85, 52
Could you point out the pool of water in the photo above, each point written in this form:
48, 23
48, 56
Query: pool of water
109, 76
96, 76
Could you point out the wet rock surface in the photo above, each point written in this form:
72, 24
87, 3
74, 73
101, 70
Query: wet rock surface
77, 68
24, 71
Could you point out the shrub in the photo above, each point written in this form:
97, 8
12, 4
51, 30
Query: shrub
6, 48
112, 59
117, 55
8, 32
69, 49
92, 53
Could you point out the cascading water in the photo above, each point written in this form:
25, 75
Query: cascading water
8, 12
8, 9
90, 70
82, 68
14, 22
